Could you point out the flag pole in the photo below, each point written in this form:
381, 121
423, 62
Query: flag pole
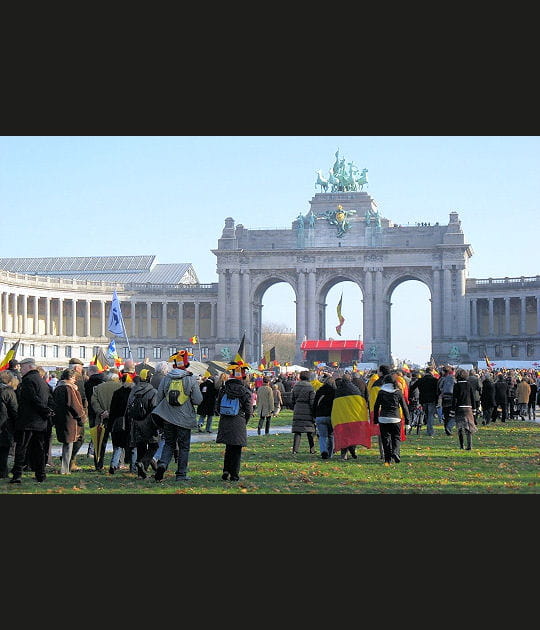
125, 334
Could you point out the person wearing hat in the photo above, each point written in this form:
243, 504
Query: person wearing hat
14, 367
33, 422
177, 420
120, 424
232, 430
144, 430
80, 380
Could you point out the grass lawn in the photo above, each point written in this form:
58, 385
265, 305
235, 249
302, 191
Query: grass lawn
504, 460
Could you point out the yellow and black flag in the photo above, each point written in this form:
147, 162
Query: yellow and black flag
239, 357
340, 316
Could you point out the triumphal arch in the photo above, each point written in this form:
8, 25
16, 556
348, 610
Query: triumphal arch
343, 237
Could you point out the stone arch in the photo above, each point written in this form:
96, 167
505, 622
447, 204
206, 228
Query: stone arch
396, 279
327, 281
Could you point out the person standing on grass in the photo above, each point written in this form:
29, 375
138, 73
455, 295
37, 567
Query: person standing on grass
265, 406
487, 398
206, 409
101, 404
120, 425
278, 400
446, 386
69, 418
143, 428
501, 398
232, 430
427, 397
523, 391
33, 422
302, 398
387, 410
462, 407
322, 412
177, 420
350, 418
8, 416
531, 405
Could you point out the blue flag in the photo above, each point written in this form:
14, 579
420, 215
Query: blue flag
116, 324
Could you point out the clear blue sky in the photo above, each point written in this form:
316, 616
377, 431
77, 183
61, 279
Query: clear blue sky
170, 195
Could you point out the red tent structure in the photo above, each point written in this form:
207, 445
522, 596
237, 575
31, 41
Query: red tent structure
342, 352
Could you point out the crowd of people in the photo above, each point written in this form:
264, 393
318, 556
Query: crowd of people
149, 413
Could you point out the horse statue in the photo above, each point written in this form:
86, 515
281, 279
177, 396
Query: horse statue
362, 179
321, 181
333, 181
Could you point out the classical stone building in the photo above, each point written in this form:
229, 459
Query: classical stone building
59, 307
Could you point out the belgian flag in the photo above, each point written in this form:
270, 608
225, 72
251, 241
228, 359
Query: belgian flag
9, 355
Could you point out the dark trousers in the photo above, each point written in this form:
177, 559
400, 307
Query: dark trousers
231, 460
346, 451
495, 413
391, 440
99, 457
296, 441
6, 440
145, 451
175, 435
264, 421
35, 444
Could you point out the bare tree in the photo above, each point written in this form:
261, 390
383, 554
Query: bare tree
280, 337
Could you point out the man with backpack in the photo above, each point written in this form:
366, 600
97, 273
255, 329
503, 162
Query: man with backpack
177, 394
141, 402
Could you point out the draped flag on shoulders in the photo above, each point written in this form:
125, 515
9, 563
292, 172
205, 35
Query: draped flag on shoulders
10, 354
340, 316
350, 418
116, 323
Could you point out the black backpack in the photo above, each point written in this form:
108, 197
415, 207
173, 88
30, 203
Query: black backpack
137, 409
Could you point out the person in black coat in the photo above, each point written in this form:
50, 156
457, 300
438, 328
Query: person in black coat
462, 407
8, 415
531, 407
120, 426
501, 398
322, 412
33, 422
427, 387
232, 429
144, 433
206, 408
487, 398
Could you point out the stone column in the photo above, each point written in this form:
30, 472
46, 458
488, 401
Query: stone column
102, 317
15, 313
213, 319
490, 312
235, 305
436, 304
379, 321
61, 316
311, 306
196, 316
36, 315
474, 327
180, 331
134, 331
6, 310
222, 305
523, 316
164, 319
25, 314
367, 314
47, 315
245, 277
507, 315
148, 319
87, 318
74, 315
447, 306
300, 313
538, 314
